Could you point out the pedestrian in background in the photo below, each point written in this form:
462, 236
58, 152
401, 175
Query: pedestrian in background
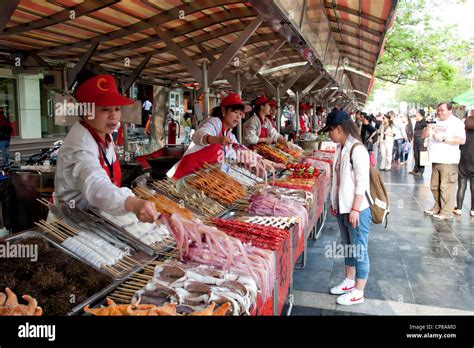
466, 167
386, 143
445, 136
418, 142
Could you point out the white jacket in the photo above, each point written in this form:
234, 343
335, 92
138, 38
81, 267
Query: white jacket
352, 181
213, 127
80, 177
251, 130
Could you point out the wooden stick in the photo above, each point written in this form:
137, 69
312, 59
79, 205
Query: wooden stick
67, 227
54, 227
52, 231
120, 297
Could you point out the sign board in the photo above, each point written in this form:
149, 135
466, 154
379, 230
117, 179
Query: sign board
328, 146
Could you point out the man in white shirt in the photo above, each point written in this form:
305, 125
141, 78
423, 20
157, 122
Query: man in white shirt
445, 136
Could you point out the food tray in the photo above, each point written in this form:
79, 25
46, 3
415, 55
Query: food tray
36, 234
149, 250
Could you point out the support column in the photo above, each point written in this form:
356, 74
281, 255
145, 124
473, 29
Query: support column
239, 91
205, 89
297, 108
278, 115
29, 106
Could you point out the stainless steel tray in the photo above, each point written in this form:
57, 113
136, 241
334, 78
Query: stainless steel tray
122, 231
36, 234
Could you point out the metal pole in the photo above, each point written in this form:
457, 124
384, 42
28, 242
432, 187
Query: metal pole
239, 126
125, 125
313, 118
278, 115
297, 113
205, 89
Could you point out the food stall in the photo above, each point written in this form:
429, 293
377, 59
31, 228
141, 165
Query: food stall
227, 242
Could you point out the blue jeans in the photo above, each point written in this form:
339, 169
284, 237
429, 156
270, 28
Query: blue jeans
356, 242
5, 147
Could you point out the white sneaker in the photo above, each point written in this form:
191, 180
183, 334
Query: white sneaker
351, 298
345, 286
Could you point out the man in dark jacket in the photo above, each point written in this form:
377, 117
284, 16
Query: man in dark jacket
418, 142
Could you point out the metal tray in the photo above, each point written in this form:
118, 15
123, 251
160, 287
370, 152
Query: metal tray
122, 231
77, 309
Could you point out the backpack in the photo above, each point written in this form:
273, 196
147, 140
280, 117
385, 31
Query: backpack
379, 203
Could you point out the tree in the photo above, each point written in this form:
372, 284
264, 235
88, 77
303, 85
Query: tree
418, 48
431, 93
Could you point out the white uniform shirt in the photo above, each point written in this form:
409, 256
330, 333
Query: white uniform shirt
80, 177
350, 180
147, 105
446, 153
251, 130
212, 127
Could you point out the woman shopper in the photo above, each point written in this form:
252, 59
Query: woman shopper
466, 167
386, 143
349, 204
418, 142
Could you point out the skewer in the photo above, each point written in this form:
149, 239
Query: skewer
46, 227
67, 227
53, 225
130, 287
125, 262
120, 297
43, 201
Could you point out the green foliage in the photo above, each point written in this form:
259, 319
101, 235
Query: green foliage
431, 93
418, 48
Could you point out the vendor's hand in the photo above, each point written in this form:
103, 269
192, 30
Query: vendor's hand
223, 140
144, 210
332, 211
268, 140
354, 218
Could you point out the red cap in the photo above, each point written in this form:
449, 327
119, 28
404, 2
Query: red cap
102, 91
232, 99
303, 107
273, 103
262, 100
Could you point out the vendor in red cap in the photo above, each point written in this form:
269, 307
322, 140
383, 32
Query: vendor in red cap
271, 116
88, 170
258, 128
303, 118
213, 139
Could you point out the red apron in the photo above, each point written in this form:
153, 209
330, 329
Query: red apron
193, 162
264, 132
113, 170
302, 125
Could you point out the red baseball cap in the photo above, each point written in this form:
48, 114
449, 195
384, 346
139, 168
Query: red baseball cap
102, 91
232, 99
303, 106
262, 100
273, 102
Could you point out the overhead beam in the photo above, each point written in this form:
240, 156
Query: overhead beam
295, 78
6, 11
333, 6
72, 76
220, 64
258, 65
183, 58
226, 73
268, 86
59, 17
191, 27
348, 33
355, 25
136, 72
311, 86
340, 43
161, 18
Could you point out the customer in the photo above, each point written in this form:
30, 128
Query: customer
418, 142
466, 167
407, 146
386, 143
349, 204
399, 138
444, 139
369, 137
5, 134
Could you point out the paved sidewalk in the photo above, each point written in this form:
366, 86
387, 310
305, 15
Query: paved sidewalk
418, 265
